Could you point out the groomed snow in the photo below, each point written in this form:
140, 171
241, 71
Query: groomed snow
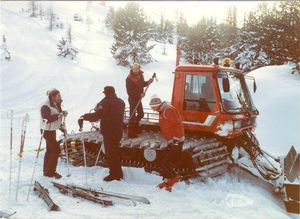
35, 68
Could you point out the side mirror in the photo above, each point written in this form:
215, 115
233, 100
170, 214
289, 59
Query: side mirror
254, 86
226, 85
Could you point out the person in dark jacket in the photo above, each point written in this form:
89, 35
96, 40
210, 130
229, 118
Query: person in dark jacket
110, 110
135, 84
51, 120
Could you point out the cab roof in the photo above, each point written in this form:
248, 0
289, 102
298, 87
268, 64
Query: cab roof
204, 68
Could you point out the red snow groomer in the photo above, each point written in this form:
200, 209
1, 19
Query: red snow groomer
219, 117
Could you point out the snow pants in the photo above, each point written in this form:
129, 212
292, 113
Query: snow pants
139, 111
133, 125
52, 153
113, 156
170, 160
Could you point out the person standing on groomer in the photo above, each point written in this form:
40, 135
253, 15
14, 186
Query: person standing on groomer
51, 120
135, 84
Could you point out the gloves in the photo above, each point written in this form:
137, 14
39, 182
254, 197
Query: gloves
175, 142
62, 114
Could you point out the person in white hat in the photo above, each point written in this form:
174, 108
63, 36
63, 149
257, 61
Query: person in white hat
51, 120
172, 129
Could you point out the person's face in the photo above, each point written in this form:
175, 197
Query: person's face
57, 98
135, 69
155, 108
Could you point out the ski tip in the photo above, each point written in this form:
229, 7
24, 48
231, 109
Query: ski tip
6, 215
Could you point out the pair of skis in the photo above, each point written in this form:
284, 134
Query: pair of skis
97, 196
44, 194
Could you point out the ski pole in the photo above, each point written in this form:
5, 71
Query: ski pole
100, 147
84, 155
36, 159
66, 144
80, 123
137, 105
23, 134
10, 155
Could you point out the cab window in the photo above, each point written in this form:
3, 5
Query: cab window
199, 94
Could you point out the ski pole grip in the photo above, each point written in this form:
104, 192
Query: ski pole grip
154, 76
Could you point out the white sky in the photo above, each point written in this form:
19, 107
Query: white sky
193, 10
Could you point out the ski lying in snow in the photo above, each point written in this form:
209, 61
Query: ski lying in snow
112, 194
44, 194
6, 215
75, 192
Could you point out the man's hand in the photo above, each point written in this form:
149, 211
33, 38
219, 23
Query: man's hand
80, 123
62, 114
175, 142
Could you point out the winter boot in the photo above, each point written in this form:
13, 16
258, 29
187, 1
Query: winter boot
171, 182
111, 178
162, 184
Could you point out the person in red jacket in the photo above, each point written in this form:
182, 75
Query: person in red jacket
135, 84
172, 129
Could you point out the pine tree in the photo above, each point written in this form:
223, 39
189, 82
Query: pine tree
65, 48
201, 42
289, 18
41, 12
33, 9
131, 34
278, 29
110, 17
228, 30
51, 18
182, 27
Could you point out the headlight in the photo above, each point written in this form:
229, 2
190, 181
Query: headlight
237, 124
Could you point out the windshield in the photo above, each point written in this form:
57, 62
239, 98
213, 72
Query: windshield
237, 99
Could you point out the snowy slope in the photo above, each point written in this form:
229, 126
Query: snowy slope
35, 68
278, 100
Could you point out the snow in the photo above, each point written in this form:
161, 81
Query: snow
224, 129
278, 100
35, 68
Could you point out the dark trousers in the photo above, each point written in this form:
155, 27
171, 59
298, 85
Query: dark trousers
113, 156
139, 113
170, 160
52, 152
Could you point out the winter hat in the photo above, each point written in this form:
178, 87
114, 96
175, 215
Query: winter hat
155, 101
52, 92
109, 90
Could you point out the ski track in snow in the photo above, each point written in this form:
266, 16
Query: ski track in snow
35, 68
